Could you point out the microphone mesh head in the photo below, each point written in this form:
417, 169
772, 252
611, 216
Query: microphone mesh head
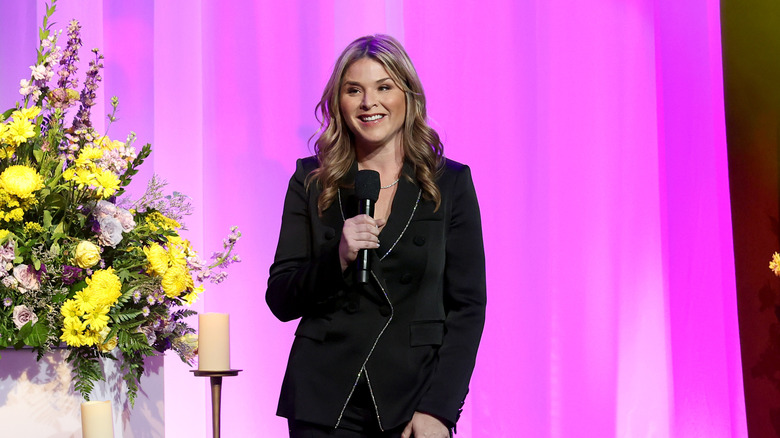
367, 184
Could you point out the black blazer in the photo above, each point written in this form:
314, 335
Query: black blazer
414, 329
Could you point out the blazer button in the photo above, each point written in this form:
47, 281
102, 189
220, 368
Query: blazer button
419, 240
329, 234
406, 278
385, 311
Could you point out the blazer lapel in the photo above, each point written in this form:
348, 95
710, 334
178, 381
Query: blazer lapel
404, 206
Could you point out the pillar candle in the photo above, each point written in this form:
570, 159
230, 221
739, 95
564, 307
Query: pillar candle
213, 342
96, 419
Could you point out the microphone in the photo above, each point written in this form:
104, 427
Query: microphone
367, 185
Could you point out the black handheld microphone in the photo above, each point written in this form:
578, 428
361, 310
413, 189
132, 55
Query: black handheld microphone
367, 185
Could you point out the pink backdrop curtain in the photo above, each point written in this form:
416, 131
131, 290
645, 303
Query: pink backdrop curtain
596, 136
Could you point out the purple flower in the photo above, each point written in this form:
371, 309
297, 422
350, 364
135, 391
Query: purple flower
110, 232
71, 274
219, 278
40, 272
7, 302
151, 337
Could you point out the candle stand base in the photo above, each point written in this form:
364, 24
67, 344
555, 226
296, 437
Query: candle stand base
216, 393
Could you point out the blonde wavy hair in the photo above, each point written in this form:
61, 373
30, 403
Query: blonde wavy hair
334, 147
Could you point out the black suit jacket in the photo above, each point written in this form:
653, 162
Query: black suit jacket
414, 329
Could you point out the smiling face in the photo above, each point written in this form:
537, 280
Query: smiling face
373, 106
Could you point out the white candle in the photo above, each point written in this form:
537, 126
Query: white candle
96, 419
213, 342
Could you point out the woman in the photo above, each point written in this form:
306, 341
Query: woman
393, 357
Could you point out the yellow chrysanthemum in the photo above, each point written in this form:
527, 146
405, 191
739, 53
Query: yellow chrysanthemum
90, 337
6, 152
85, 301
83, 178
774, 265
26, 113
21, 181
18, 131
175, 281
104, 286
70, 309
157, 258
177, 255
107, 183
191, 297
98, 319
88, 155
107, 144
71, 331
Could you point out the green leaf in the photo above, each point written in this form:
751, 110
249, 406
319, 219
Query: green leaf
75, 287
59, 298
46, 219
7, 113
37, 336
24, 331
56, 200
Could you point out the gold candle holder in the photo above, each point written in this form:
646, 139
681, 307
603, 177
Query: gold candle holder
216, 394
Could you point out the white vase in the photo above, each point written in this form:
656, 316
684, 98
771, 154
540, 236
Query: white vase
37, 398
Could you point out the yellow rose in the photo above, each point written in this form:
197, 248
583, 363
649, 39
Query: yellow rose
106, 345
87, 254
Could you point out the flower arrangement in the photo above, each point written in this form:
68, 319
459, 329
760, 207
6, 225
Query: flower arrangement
80, 263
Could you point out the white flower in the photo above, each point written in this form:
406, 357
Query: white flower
26, 277
110, 232
38, 72
125, 218
26, 88
103, 209
10, 282
23, 314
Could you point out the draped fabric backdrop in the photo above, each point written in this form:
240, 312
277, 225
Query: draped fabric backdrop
596, 136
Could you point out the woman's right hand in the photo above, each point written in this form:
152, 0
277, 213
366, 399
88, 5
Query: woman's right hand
359, 232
